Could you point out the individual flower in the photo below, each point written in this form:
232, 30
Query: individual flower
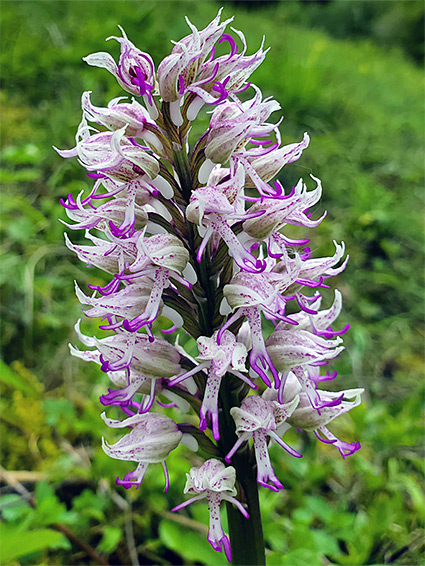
264, 162
215, 482
291, 348
233, 124
306, 417
158, 257
210, 208
111, 154
248, 295
278, 212
151, 439
128, 304
104, 254
309, 345
229, 356
258, 418
136, 352
114, 214
135, 71
127, 170
139, 303
117, 115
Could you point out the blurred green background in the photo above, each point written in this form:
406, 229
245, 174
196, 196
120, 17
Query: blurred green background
349, 73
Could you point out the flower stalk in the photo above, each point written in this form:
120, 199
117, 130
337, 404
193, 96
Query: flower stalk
246, 535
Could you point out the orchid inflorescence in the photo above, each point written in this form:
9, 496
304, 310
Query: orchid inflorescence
195, 233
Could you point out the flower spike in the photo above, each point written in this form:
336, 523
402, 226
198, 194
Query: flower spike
202, 245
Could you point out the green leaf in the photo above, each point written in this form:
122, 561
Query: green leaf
16, 381
44, 491
88, 504
21, 175
58, 411
189, 544
15, 543
326, 543
318, 507
13, 507
302, 557
110, 540
49, 509
274, 559
28, 153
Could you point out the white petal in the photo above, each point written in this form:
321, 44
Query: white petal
190, 442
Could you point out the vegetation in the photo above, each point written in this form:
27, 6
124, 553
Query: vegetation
360, 100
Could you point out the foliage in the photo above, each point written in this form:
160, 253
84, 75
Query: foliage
361, 104
386, 22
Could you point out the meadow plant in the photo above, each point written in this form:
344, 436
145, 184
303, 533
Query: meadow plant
196, 231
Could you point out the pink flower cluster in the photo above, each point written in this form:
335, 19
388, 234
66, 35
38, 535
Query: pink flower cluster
195, 231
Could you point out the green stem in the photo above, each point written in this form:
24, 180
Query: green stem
181, 163
246, 535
